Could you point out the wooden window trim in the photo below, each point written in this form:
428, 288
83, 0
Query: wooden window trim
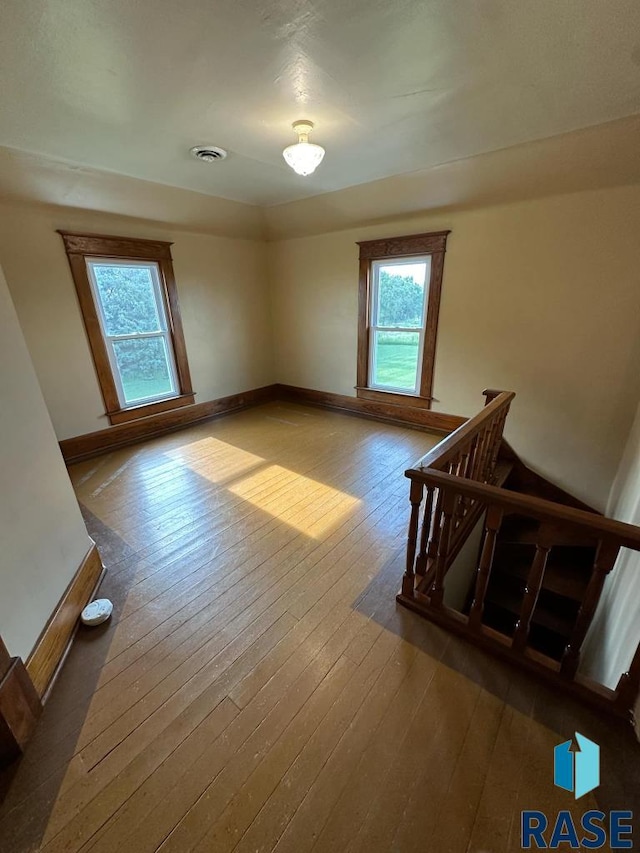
79, 247
393, 398
434, 244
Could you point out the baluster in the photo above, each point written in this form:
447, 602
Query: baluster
494, 444
503, 421
464, 501
486, 450
434, 541
415, 496
448, 508
492, 526
532, 588
458, 471
473, 449
605, 560
479, 456
464, 461
421, 561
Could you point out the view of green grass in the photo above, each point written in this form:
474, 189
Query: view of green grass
396, 361
396, 367
138, 389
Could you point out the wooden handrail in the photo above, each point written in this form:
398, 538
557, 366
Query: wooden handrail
599, 527
446, 450
470, 452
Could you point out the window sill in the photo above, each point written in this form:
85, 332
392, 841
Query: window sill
395, 398
123, 416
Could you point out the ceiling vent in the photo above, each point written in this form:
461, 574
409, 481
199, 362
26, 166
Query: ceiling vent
208, 153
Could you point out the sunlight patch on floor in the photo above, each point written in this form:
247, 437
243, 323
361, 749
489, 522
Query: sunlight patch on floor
329, 506
215, 460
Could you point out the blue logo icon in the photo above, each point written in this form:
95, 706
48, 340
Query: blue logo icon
577, 771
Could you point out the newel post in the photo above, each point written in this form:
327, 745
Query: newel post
20, 707
490, 395
408, 580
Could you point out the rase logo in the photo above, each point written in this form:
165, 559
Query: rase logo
577, 770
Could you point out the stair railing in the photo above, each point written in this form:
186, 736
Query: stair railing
470, 452
451, 487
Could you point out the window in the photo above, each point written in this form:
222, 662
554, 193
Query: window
399, 300
129, 302
399, 292
133, 322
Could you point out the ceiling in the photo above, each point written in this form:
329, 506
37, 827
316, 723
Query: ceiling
394, 86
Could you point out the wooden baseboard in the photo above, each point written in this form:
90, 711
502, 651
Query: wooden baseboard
403, 415
121, 435
52, 645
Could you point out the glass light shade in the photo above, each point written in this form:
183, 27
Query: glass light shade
303, 157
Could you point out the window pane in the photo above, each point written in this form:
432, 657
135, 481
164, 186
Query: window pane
395, 363
128, 298
143, 365
401, 294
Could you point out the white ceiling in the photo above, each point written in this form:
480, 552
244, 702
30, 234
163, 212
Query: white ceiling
393, 85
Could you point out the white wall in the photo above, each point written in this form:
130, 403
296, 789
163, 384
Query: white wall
615, 631
223, 292
539, 297
463, 570
43, 539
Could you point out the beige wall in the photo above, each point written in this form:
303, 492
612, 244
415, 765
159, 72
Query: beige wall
540, 297
42, 534
615, 631
223, 293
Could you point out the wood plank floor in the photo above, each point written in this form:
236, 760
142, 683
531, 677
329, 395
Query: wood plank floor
258, 688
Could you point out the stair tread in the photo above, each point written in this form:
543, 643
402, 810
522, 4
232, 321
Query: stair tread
544, 640
502, 470
555, 581
567, 572
512, 602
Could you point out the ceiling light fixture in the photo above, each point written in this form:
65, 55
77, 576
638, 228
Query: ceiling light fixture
304, 157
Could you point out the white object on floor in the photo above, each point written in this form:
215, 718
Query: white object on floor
97, 612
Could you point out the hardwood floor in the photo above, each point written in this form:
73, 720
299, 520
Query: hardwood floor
258, 688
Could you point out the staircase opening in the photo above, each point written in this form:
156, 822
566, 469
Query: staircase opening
538, 562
